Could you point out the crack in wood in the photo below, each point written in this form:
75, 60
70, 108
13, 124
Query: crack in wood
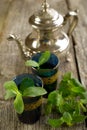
76, 61
74, 44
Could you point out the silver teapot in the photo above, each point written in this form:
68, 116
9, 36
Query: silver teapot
47, 32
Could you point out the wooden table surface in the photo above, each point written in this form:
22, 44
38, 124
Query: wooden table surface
14, 15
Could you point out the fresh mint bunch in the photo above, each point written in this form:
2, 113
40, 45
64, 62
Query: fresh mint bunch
27, 89
43, 59
68, 102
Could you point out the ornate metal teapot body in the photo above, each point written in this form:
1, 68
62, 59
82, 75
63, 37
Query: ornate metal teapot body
47, 33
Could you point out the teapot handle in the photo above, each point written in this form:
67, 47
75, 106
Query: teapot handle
74, 16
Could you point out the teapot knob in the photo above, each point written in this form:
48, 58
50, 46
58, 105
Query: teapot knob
74, 16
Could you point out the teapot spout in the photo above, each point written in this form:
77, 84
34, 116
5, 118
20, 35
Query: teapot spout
24, 50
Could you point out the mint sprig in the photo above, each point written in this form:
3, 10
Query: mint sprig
42, 59
18, 103
12, 91
69, 102
27, 89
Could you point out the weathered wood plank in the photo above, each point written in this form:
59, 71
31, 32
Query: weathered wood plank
4, 8
13, 64
80, 38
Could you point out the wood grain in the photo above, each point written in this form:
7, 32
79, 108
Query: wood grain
80, 39
4, 8
15, 20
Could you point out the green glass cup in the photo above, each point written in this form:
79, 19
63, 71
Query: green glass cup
48, 71
32, 105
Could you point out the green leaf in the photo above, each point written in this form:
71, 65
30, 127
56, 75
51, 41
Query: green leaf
77, 89
34, 91
11, 86
67, 106
9, 95
83, 107
26, 83
53, 97
55, 122
31, 63
66, 76
76, 83
18, 104
70, 87
44, 57
84, 95
64, 88
68, 101
83, 101
78, 118
67, 118
60, 100
77, 109
48, 108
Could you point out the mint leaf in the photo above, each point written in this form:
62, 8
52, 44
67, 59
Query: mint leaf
76, 83
44, 57
83, 101
9, 94
83, 106
60, 100
18, 104
78, 118
69, 101
67, 118
77, 89
34, 91
11, 86
26, 83
48, 108
53, 97
84, 95
55, 122
55, 100
66, 76
64, 88
31, 63
67, 106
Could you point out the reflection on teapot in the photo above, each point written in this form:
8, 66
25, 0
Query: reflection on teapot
47, 32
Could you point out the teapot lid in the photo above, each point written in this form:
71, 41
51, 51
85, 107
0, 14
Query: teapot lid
46, 18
